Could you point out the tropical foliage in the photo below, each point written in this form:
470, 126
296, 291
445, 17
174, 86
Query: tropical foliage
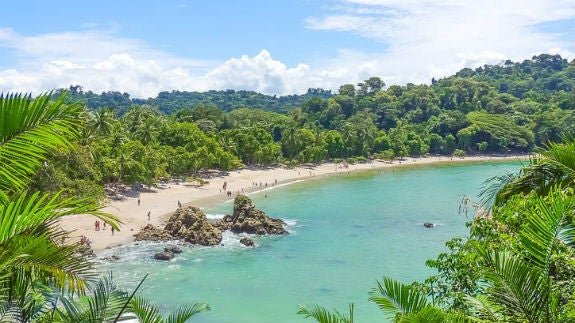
44, 276
496, 109
516, 266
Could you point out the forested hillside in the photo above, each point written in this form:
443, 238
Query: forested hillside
507, 108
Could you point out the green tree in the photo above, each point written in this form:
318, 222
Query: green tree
32, 256
551, 166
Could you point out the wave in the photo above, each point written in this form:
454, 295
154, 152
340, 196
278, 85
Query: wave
272, 187
216, 216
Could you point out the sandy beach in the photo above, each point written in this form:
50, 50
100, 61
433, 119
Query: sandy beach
163, 200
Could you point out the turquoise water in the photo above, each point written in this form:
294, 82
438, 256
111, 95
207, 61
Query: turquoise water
346, 232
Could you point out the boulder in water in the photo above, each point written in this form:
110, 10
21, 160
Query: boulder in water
248, 219
190, 224
164, 255
173, 249
247, 242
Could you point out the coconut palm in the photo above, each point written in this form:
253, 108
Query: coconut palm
34, 253
551, 166
102, 121
43, 277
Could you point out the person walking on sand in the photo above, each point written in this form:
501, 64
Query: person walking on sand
138, 201
149, 212
97, 225
113, 230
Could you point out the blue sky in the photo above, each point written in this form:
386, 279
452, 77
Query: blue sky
270, 46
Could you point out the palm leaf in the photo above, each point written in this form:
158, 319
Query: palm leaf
547, 224
520, 289
145, 311
323, 315
185, 312
393, 298
31, 130
484, 308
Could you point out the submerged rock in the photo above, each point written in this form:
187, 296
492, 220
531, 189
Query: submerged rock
164, 255
190, 224
248, 219
173, 249
85, 250
428, 224
247, 242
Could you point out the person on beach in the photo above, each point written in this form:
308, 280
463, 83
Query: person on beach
138, 201
149, 212
97, 225
179, 204
113, 230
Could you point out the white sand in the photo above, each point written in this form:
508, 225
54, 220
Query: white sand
163, 202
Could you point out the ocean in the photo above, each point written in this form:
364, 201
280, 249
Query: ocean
346, 232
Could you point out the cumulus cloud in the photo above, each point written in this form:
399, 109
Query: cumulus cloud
428, 38
418, 40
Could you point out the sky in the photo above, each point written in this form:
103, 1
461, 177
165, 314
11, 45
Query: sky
276, 47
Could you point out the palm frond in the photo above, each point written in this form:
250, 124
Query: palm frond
26, 212
491, 188
484, 308
428, 314
393, 298
545, 225
185, 312
145, 311
518, 287
30, 130
322, 315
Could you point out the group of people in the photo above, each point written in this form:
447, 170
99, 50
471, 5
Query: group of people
85, 241
97, 226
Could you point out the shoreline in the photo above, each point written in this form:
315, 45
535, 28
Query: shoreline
162, 201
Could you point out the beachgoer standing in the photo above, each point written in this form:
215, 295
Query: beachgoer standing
149, 212
138, 201
97, 225
113, 230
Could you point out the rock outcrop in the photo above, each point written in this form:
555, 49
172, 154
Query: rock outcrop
428, 224
173, 249
190, 224
164, 255
152, 233
247, 242
248, 219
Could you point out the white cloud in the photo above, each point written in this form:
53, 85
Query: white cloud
420, 39
426, 38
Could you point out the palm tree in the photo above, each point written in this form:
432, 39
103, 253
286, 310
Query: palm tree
102, 121
43, 277
290, 141
33, 255
553, 165
148, 130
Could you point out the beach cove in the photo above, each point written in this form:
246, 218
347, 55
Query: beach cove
346, 231
163, 200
